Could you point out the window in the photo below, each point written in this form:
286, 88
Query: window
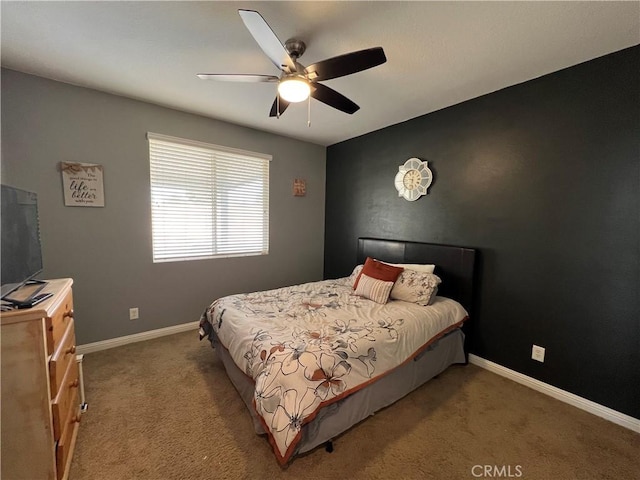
206, 200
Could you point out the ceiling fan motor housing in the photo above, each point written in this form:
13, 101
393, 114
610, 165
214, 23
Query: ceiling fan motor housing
295, 47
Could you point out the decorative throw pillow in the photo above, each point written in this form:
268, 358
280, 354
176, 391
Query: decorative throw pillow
416, 287
378, 270
376, 290
351, 279
418, 267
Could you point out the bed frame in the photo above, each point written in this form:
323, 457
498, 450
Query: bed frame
455, 266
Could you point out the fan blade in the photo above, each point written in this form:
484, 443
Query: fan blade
274, 108
262, 33
346, 64
333, 99
238, 78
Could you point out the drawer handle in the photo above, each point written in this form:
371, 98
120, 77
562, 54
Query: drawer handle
68, 313
76, 418
71, 349
74, 384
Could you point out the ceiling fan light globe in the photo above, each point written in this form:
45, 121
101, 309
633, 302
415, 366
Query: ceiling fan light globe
294, 89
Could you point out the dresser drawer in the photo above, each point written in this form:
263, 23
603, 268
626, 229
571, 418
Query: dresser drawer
64, 354
66, 399
57, 324
63, 448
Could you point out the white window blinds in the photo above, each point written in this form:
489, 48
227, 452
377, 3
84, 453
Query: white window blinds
206, 200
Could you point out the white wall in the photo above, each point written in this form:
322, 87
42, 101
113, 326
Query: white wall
107, 251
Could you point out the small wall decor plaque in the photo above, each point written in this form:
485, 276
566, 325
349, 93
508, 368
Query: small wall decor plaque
299, 187
83, 184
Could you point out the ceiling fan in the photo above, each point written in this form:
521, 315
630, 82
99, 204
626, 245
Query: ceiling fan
296, 82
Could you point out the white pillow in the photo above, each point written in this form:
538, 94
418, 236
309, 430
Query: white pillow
424, 268
374, 289
351, 279
416, 287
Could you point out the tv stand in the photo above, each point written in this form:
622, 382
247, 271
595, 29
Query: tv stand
27, 295
33, 301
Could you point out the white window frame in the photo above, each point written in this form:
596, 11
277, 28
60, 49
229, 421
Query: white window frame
207, 201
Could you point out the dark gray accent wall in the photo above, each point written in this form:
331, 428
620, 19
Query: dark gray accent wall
107, 251
544, 179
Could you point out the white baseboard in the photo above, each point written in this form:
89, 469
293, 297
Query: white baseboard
137, 337
582, 403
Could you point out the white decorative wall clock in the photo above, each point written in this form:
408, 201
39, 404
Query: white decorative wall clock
413, 179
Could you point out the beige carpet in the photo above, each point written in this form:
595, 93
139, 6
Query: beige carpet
165, 409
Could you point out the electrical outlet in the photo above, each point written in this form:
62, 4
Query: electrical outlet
537, 353
134, 314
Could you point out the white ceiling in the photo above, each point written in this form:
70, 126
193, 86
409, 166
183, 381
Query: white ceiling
439, 53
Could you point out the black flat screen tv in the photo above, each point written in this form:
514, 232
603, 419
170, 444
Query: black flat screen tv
20, 248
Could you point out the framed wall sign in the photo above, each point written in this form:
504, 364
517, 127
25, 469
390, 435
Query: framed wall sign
82, 184
299, 187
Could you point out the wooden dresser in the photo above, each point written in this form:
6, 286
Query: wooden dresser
40, 383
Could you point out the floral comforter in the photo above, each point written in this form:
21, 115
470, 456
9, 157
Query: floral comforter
312, 344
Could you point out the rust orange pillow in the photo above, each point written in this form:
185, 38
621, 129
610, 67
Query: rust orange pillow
378, 270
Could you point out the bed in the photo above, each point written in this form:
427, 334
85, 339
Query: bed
312, 360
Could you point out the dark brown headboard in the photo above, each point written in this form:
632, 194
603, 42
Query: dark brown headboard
454, 265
